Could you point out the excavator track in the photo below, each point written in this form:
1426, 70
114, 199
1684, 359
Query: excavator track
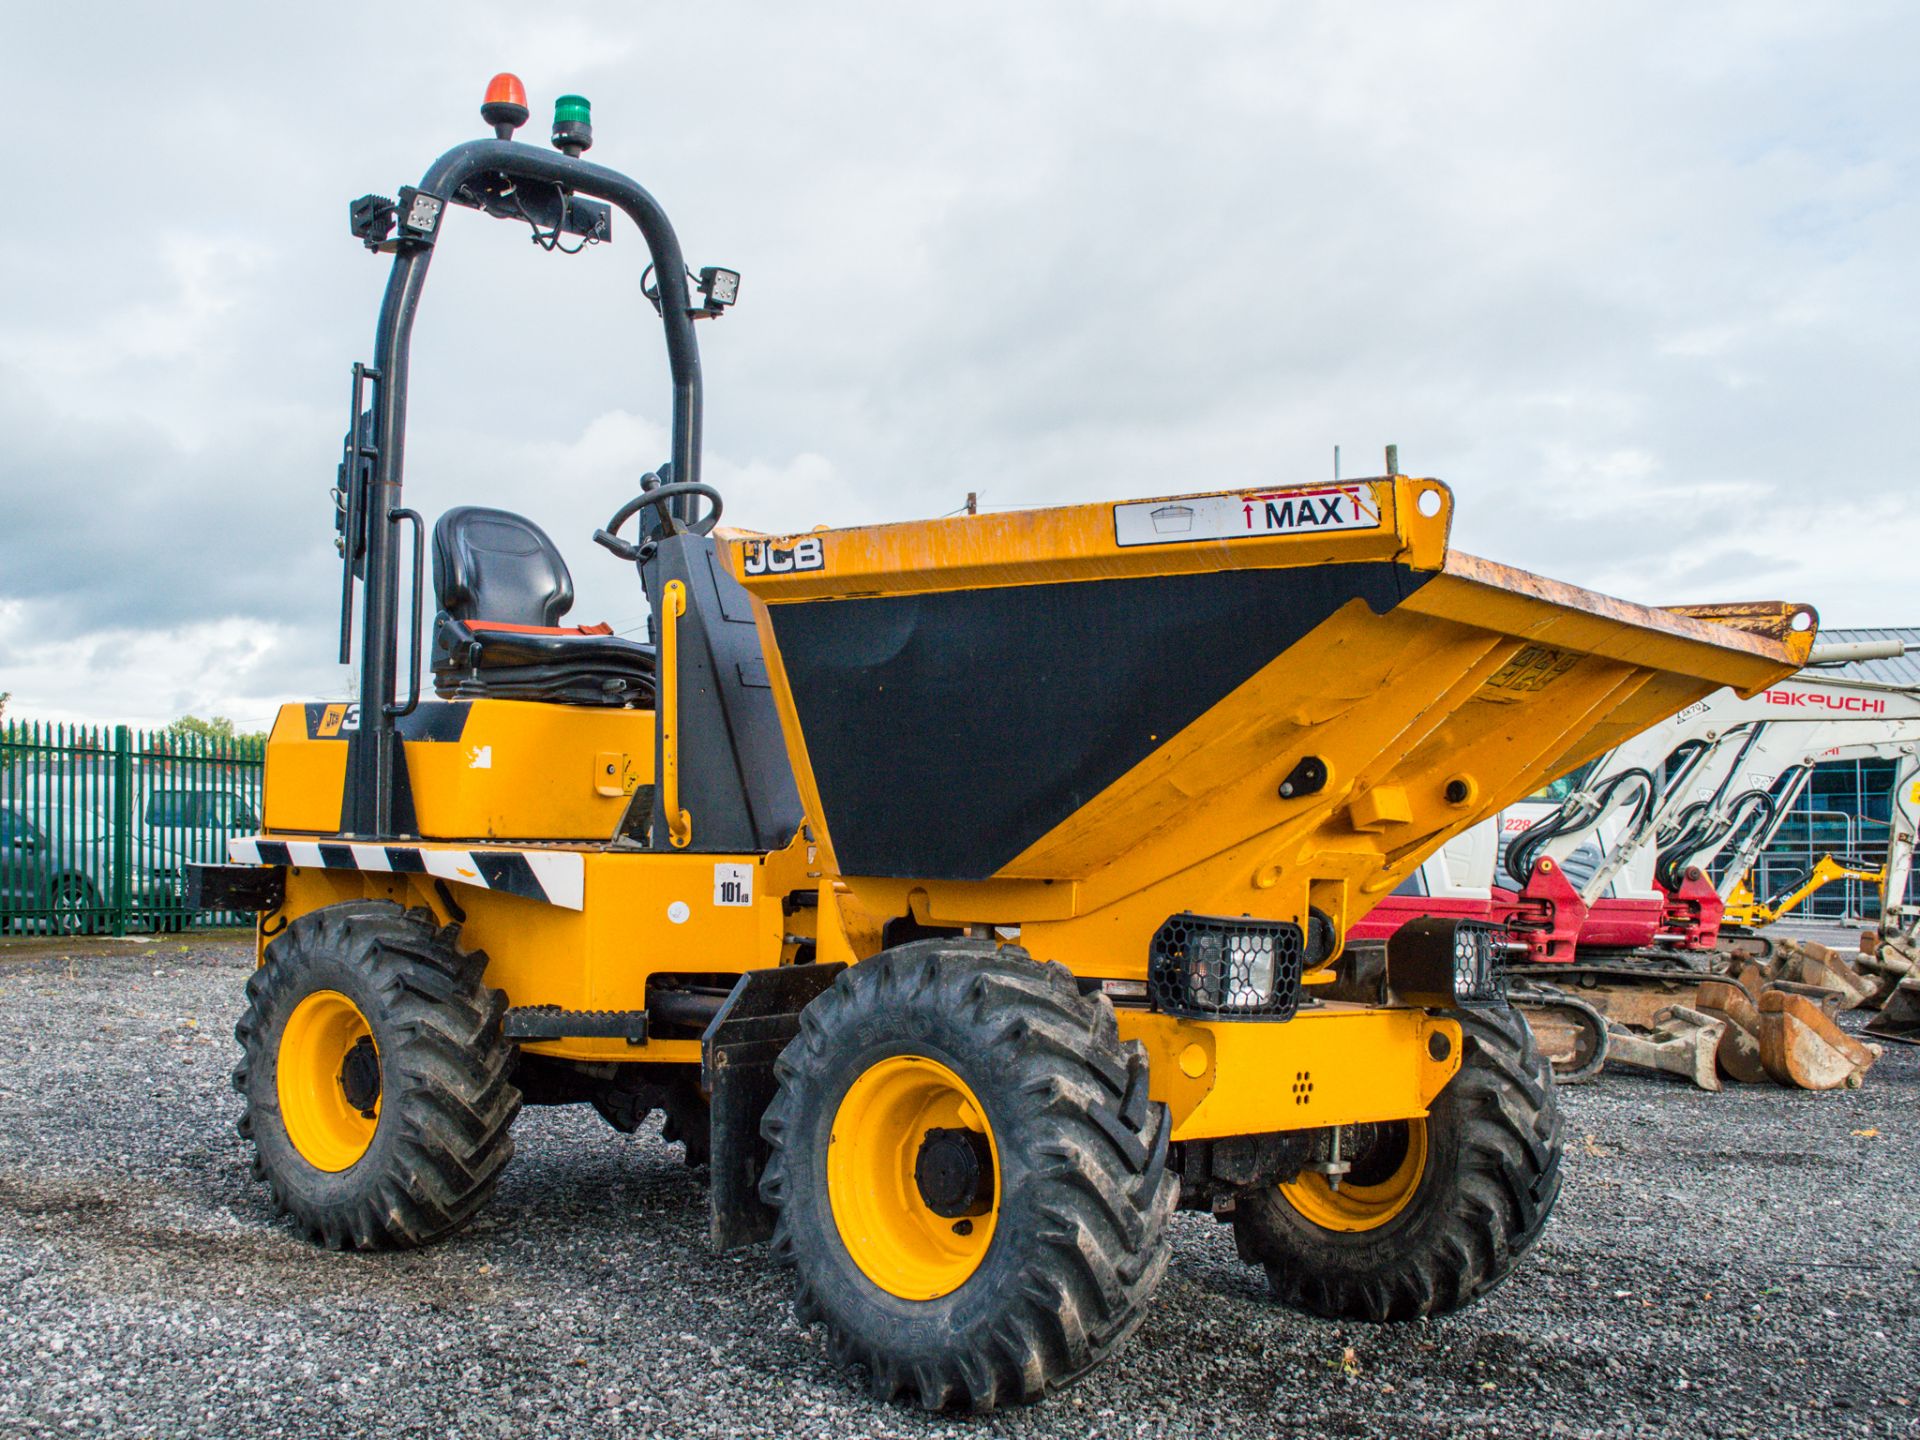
1572, 1034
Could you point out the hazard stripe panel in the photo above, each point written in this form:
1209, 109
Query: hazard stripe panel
554, 877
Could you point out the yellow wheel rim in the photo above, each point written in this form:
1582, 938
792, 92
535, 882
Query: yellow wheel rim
326, 1127
896, 1238
1356, 1206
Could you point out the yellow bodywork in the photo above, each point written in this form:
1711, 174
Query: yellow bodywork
1478, 686
1333, 1065
512, 771
601, 956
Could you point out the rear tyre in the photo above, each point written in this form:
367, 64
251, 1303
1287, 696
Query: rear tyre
971, 1181
1436, 1212
375, 1077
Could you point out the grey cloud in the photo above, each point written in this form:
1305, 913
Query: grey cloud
1635, 280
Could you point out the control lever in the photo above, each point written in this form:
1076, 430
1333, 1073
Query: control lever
625, 549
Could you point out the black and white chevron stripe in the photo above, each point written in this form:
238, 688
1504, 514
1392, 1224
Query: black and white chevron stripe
557, 877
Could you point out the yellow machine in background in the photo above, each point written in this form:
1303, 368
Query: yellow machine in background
1746, 911
967, 893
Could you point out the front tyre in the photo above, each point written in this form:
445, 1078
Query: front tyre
374, 1077
971, 1181
1436, 1212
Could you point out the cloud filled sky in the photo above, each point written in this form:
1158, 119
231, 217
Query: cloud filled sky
1635, 279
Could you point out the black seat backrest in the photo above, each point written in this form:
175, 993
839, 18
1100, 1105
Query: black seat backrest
495, 565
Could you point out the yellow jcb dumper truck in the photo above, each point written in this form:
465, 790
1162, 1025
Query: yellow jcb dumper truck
967, 895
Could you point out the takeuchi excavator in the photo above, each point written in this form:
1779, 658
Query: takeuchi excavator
1609, 872
1599, 860
1629, 831
1733, 864
966, 895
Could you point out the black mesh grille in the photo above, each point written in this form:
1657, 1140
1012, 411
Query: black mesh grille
1479, 977
1210, 967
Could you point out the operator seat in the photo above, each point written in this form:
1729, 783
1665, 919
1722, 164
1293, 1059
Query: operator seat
502, 588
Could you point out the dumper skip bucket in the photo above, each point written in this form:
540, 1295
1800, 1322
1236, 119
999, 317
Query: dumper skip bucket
1084, 720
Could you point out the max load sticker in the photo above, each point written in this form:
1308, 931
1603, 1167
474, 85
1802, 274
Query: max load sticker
1239, 517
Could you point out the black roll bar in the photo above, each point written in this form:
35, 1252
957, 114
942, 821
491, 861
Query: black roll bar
375, 758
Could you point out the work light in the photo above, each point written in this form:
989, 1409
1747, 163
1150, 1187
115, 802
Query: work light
1242, 969
720, 286
1438, 962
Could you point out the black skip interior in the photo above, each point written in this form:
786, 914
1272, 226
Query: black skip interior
950, 730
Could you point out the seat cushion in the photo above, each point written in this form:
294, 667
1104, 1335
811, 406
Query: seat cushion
504, 628
585, 665
502, 587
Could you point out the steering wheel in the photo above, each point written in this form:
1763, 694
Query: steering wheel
659, 495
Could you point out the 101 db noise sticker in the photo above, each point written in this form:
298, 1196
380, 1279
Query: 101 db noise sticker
733, 884
1239, 517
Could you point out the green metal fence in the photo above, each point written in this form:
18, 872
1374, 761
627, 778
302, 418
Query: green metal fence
98, 824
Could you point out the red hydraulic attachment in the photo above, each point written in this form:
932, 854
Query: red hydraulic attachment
1546, 913
1617, 924
1691, 920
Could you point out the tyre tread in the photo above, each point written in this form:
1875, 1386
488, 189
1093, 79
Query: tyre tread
1108, 1193
1506, 1183
453, 1138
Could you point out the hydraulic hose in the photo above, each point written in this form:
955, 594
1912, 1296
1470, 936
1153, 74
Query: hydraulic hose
1576, 812
1697, 833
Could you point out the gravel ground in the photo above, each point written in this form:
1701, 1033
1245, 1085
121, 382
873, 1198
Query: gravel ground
1736, 1264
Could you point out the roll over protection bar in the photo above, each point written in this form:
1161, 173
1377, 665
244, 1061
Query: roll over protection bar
376, 767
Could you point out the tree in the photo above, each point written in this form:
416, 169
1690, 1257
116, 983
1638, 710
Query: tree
192, 727
218, 728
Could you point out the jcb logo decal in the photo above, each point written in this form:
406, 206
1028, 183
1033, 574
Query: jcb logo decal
770, 557
336, 718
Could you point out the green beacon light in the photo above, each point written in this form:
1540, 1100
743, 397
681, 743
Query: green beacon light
572, 124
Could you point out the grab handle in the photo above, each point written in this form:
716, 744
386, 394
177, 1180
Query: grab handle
673, 604
394, 517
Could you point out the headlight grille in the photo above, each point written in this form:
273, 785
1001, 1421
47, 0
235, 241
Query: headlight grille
1212, 967
1479, 968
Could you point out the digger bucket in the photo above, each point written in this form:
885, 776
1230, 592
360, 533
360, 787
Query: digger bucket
1738, 1053
1802, 1045
1899, 1018
1886, 965
1269, 703
1814, 965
